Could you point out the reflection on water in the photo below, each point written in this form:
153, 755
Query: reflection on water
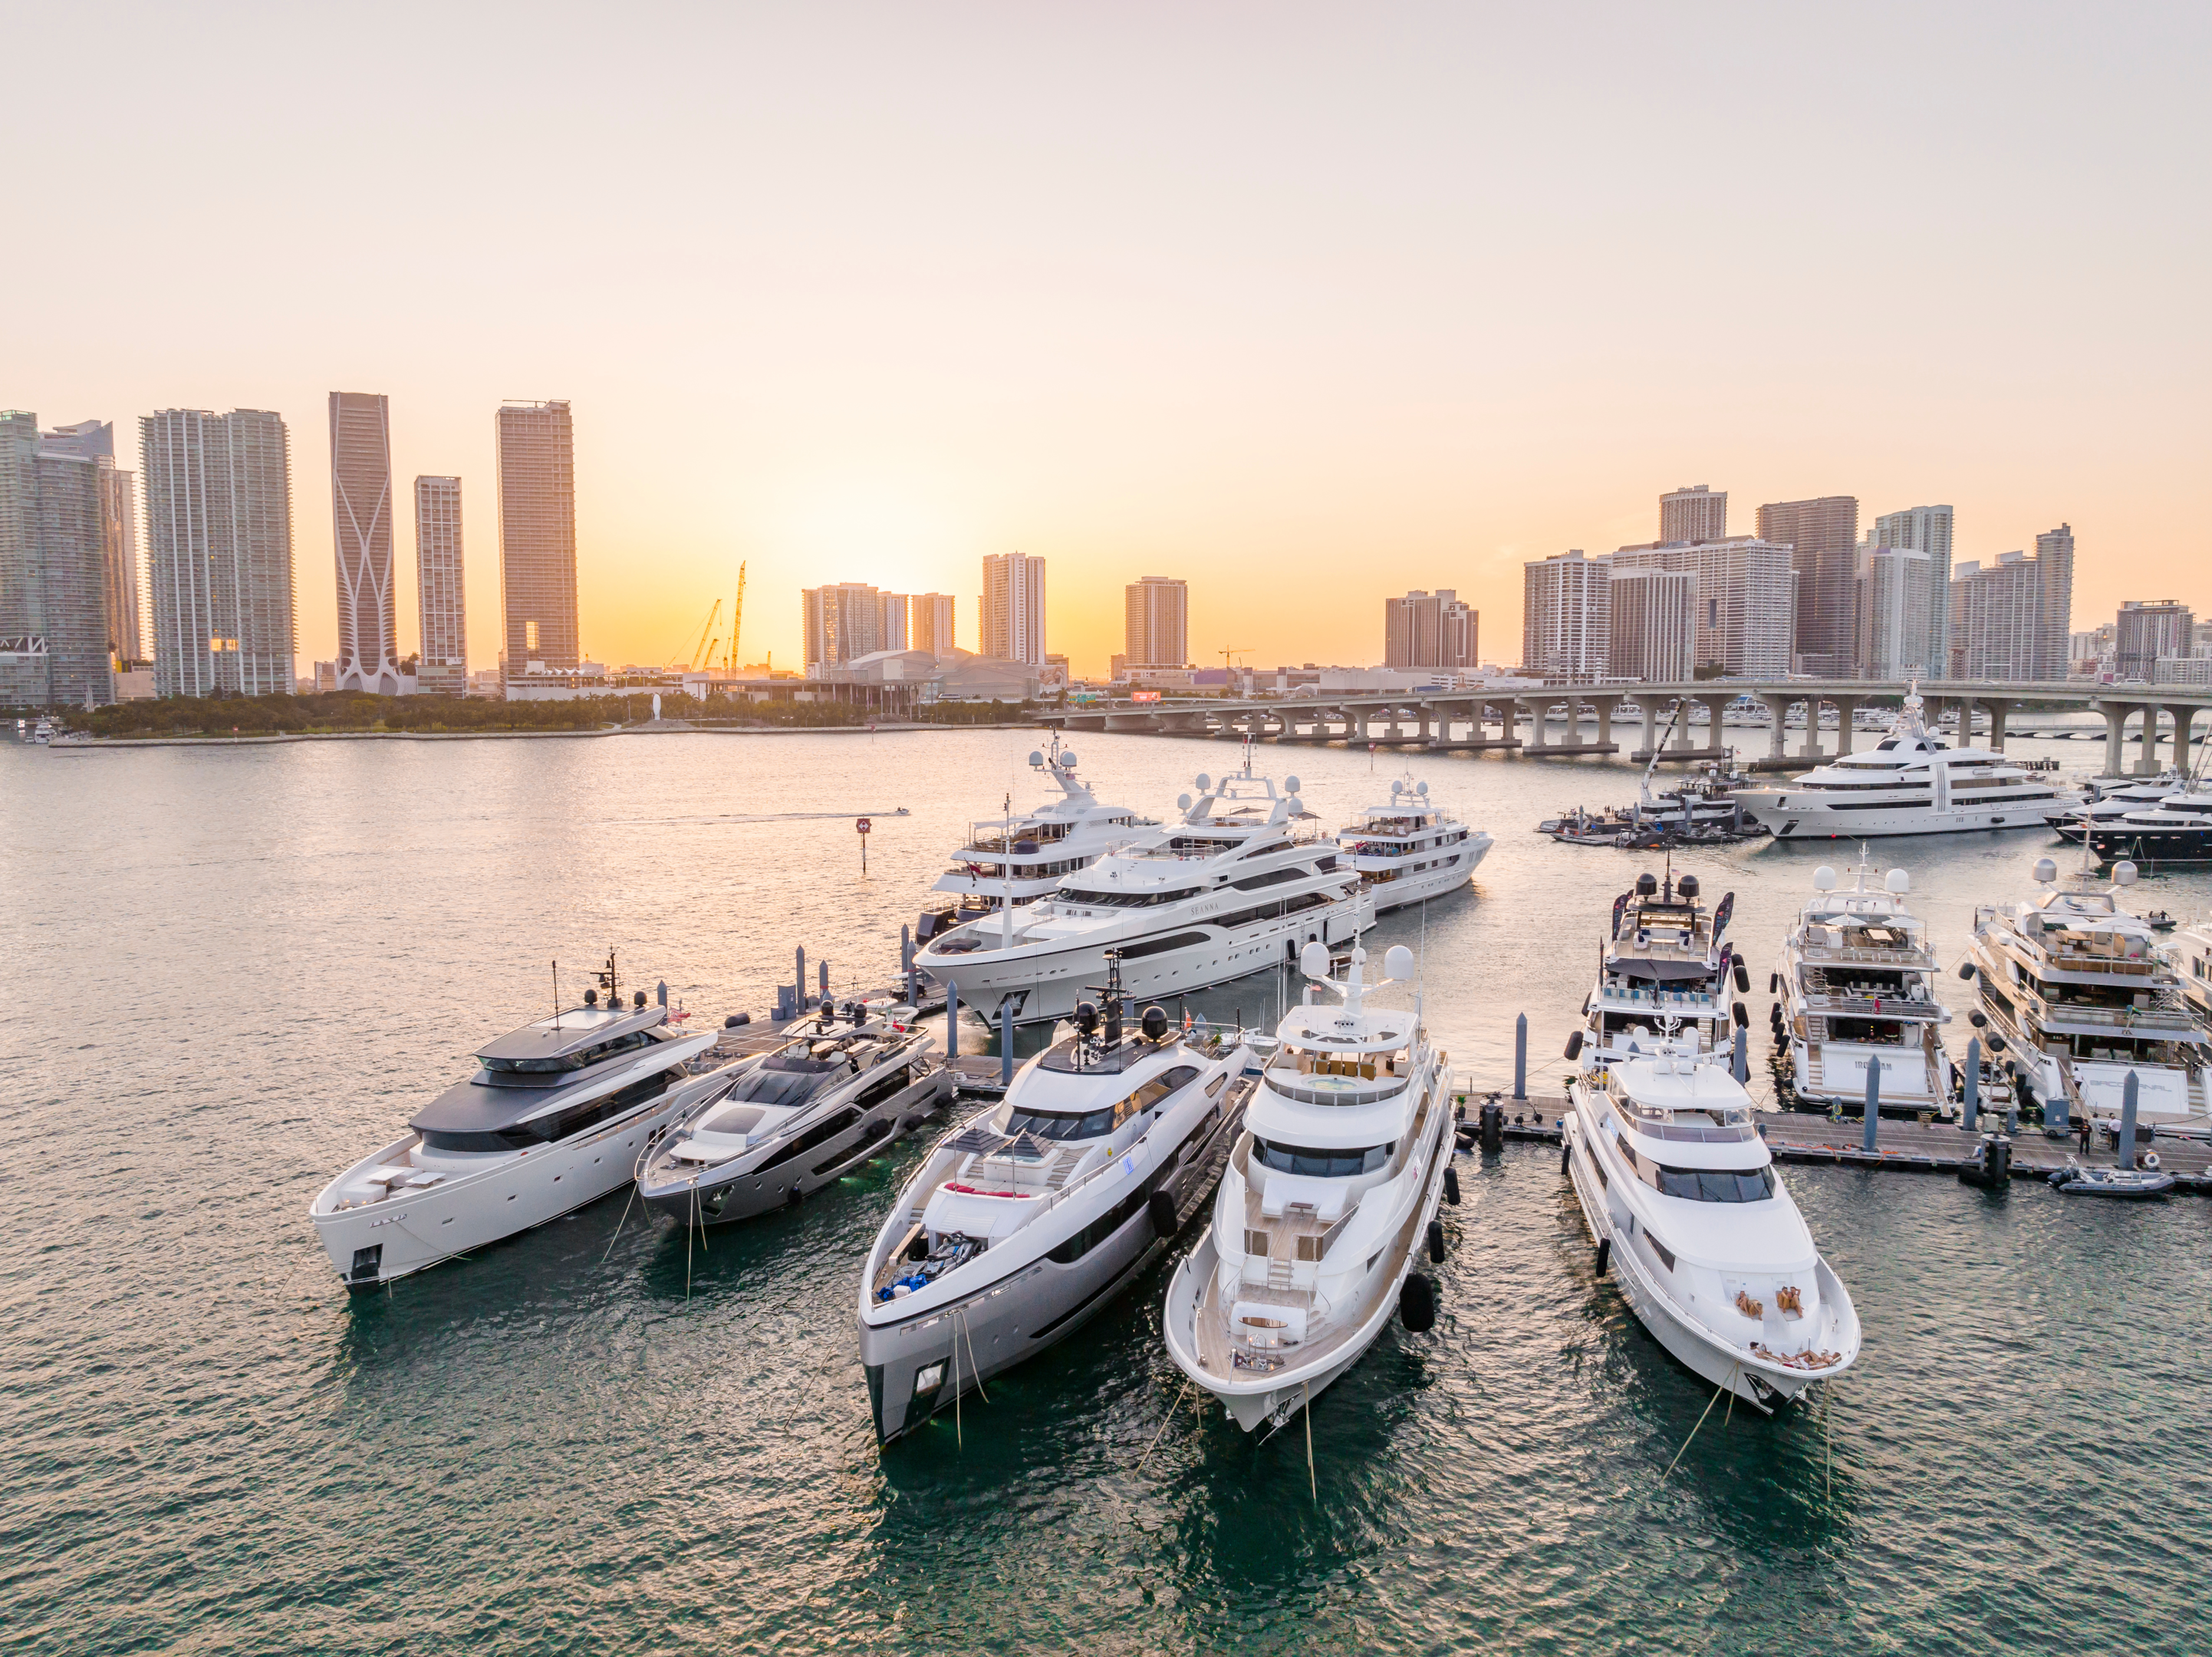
246, 966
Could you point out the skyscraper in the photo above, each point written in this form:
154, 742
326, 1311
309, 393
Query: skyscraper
1566, 617
1424, 630
361, 525
1823, 538
1898, 630
931, 622
2146, 632
1651, 633
219, 548
1693, 513
1010, 614
2054, 565
1155, 622
1924, 529
1744, 627
54, 570
895, 621
443, 667
537, 537
842, 622
95, 440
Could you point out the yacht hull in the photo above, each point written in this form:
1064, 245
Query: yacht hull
1909, 1083
1408, 890
1820, 822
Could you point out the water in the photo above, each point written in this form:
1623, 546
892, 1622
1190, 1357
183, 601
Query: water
233, 971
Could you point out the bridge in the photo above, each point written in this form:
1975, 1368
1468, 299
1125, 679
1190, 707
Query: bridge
2162, 716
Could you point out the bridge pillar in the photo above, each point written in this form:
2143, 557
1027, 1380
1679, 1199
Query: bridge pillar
1605, 705
1847, 709
1653, 708
2183, 717
1535, 740
1777, 704
2147, 757
1811, 748
1998, 706
2116, 724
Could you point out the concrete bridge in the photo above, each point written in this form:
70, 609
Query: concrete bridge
2162, 716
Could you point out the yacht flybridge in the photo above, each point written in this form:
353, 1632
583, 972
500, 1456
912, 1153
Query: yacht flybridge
1230, 888
1909, 783
2079, 989
1329, 1192
1030, 1218
1858, 986
554, 1119
1690, 1214
1663, 958
779, 1127
1406, 849
1020, 858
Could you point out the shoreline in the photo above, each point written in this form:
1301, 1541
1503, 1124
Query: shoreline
662, 727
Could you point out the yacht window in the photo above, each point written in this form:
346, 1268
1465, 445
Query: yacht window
1321, 1164
1708, 1184
1093, 1124
588, 1057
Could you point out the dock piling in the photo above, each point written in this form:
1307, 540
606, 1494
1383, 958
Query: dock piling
1741, 1068
1971, 1108
1006, 1042
1873, 1101
906, 965
1521, 1059
2127, 1147
822, 967
799, 985
951, 1020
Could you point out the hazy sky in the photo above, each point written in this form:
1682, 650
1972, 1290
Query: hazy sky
1307, 304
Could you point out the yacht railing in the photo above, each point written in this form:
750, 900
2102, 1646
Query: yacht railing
1876, 1007
1869, 957
1660, 1000
2167, 1011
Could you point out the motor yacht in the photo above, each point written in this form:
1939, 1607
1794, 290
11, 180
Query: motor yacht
2108, 800
781, 1126
2176, 829
2190, 952
1691, 1216
1329, 1194
1030, 1218
1911, 781
553, 1118
2083, 997
1233, 886
1858, 985
1407, 851
1664, 958
1021, 857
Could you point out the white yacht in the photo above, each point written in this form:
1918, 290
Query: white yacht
1228, 889
1858, 985
2190, 951
1021, 857
1029, 1219
554, 1119
2108, 800
1910, 783
1407, 850
2176, 829
1691, 1218
1663, 958
781, 1126
1329, 1194
2083, 997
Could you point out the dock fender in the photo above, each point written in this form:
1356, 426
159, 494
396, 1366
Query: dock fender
1161, 1208
1437, 1241
1451, 1186
1773, 983
1604, 1254
1417, 1303
1575, 1045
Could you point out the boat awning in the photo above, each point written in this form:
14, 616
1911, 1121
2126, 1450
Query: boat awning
1639, 967
573, 1032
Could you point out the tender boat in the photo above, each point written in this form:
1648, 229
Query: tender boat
1407, 851
1858, 985
782, 1125
1232, 888
1663, 958
554, 1118
2082, 997
2075, 1179
1329, 1195
1691, 1216
1029, 1219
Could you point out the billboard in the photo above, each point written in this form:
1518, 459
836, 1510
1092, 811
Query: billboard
1144, 696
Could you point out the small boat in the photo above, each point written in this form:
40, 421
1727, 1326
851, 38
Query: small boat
2159, 920
2132, 1184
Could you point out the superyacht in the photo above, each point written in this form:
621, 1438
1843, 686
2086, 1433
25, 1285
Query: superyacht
1329, 1196
2176, 829
1664, 959
1858, 985
1027, 1222
1407, 850
1910, 783
1689, 1213
2110, 800
554, 1118
1228, 889
2079, 989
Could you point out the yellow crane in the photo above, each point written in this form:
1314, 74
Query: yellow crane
736, 621
704, 653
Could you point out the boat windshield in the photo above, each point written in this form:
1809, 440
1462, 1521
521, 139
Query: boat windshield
1320, 1164
783, 1079
577, 1061
1094, 1124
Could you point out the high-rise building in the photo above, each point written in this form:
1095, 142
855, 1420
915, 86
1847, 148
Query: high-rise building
931, 624
1010, 613
1651, 633
54, 570
1925, 529
219, 551
537, 537
1822, 536
1693, 513
894, 622
1744, 620
1566, 617
1429, 629
1155, 622
842, 622
1899, 631
2146, 632
2054, 564
442, 669
361, 525
95, 440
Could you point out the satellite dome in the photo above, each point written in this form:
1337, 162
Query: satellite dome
1289, 785
2045, 871
1204, 782
1313, 959
1898, 881
1182, 802
1420, 787
2124, 873
1398, 963
1036, 756
1824, 879
1067, 759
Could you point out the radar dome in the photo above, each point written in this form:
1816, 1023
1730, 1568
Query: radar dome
1036, 756
1182, 802
1067, 759
1313, 959
1394, 786
1204, 782
1398, 963
1289, 785
2045, 871
2124, 873
1824, 879
1420, 787
1898, 881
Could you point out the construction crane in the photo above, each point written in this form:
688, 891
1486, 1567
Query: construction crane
705, 653
1228, 657
737, 622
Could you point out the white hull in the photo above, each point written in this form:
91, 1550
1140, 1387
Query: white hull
1430, 883
1908, 1081
1823, 823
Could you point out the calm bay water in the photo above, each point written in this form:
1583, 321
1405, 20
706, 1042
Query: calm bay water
231, 971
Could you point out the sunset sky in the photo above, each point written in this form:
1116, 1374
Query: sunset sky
1307, 304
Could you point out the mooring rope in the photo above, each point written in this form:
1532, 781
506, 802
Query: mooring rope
1175, 1408
1685, 1449
620, 1224
1305, 1408
973, 1367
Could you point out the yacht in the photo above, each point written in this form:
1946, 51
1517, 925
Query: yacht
1330, 1192
2084, 998
1858, 985
1407, 851
2108, 800
1910, 783
1691, 1218
1663, 959
1021, 858
1029, 1219
2176, 829
2190, 952
553, 1118
1230, 888
780, 1127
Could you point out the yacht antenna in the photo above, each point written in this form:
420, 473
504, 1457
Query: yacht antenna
556, 995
